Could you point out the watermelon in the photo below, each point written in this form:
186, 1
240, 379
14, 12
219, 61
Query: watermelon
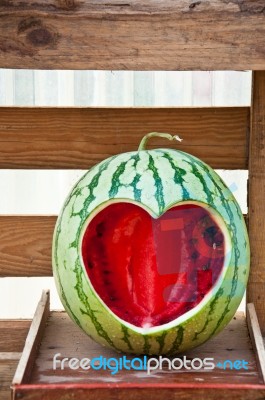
151, 252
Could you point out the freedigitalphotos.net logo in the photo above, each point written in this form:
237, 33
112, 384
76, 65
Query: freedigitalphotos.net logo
147, 364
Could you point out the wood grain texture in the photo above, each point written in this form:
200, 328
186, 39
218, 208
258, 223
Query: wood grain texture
13, 334
255, 292
81, 137
9, 355
7, 370
256, 338
62, 336
179, 392
12, 339
25, 246
135, 35
256, 196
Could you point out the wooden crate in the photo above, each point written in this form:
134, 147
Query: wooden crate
138, 35
54, 332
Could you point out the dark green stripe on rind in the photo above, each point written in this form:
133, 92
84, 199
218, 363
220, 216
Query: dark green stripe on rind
115, 181
179, 173
83, 214
136, 192
236, 252
126, 337
78, 270
212, 309
195, 171
147, 346
116, 184
225, 204
161, 341
159, 194
67, 305
88, 311
178, 341
91, 186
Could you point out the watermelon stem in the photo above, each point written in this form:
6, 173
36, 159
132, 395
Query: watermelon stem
157, 134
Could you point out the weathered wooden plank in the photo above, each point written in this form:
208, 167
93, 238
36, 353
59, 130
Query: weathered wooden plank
256, 338
25, 246
10, 356
130, 392
7, 370
80, 137
256, 195
232, 343
136, 35
12, 339
256, 292
13, 334
33, 340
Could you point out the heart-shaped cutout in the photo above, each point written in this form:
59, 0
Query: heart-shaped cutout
147, 270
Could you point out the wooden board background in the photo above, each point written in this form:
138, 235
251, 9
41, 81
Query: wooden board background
12, 335
12, 339
256, 196
25, 246
81, 137
136, 34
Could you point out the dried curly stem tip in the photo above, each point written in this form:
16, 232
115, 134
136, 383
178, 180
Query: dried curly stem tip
157, 134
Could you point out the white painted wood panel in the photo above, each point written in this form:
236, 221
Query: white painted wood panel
124, 88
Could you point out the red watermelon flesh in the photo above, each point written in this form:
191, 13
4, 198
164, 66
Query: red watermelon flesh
149, 271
